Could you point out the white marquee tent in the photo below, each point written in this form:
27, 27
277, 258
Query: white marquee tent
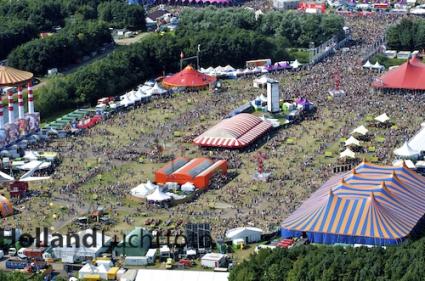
158, 196
352, 141
360, 130
406, 152
383, 118
347, 153
143, 190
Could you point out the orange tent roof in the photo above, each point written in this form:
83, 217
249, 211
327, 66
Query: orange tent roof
10, 76
410, 76
189, 78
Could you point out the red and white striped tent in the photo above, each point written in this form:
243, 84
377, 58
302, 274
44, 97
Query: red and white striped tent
236, 132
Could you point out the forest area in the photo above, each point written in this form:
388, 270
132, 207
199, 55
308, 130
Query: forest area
22, 21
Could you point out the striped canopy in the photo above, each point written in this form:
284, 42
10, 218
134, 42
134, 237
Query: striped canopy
376, 205
10, 76
236, 132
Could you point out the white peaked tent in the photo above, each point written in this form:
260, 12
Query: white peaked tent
378, 66
203, 70
295, 64
103, 272
382, 118
158, 196
347, 153
210, 70
228, 68
219, 69
406, 152
156, 90
143, 190
352, 141
368, 65
360, 130
144, 89
188, 187
87, 269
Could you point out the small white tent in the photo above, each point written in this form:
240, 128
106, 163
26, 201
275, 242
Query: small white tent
347, 153
295, 64
360, 130
368, 65
156, 90
87, 269
382, 118
378, 66
188, 187
352, 141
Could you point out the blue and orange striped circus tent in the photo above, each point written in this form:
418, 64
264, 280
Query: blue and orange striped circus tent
373, 205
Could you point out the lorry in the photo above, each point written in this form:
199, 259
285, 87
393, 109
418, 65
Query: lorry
135, 261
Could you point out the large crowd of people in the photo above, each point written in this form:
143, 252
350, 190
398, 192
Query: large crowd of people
130, 145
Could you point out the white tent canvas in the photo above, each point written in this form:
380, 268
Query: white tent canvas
382, 118
158, 196
31, 155
143, 190
295, 64
157, 90
417, 142
188, 187
367, 65
405, 151
352, 141
378, 66
228, 68
347, 153
360, 130
87, 269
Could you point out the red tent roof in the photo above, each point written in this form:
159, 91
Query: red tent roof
235, 132
410, 76
189, 78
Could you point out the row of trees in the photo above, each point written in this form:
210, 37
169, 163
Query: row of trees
22, 20
298, 29
399, 263
408, 35
68, 46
